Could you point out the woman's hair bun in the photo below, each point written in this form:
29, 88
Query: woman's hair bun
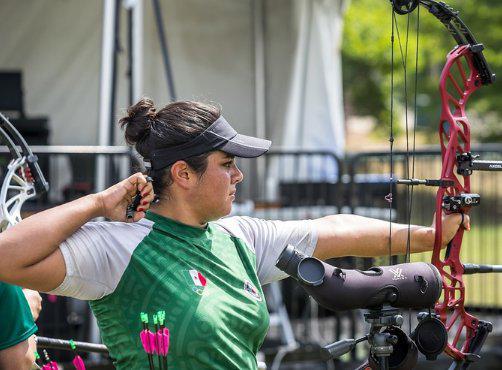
138, 122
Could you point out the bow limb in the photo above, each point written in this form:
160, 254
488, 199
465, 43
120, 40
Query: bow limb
23, 178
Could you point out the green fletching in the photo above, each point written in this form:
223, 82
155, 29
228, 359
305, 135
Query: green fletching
144, 317
72, 345
37, 356
155, 321
161, 315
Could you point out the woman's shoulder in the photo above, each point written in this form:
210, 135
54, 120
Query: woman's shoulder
107, 234
245, 227
259, 232
97, 255
235, 224
249, 225
114, 227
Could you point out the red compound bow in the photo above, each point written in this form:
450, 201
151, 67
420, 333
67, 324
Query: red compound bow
466, 71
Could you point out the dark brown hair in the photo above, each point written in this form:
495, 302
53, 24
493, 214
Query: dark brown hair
177, 123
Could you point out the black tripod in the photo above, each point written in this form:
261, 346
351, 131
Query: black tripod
389, 348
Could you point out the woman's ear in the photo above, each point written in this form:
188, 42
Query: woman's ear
181, 174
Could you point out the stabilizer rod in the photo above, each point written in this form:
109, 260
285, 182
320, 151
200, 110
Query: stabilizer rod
427, 182
472, 268
467, 164
479, 165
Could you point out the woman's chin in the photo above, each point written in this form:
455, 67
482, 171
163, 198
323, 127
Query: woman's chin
222, 213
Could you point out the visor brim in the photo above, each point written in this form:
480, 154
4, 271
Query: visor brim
246, 146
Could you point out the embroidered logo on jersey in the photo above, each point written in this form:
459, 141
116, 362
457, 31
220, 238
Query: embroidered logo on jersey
251, 290
195, 280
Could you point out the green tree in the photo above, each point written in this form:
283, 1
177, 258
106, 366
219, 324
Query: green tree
367, 68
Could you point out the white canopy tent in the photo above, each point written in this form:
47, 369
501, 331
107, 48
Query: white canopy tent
314, 115
273, 65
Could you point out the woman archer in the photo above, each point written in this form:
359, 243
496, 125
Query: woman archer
179, 254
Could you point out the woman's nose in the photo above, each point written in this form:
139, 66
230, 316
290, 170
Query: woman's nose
238, 176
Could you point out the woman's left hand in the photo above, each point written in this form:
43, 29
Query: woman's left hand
451, 223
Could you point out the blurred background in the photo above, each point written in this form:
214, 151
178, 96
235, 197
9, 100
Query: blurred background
314, 76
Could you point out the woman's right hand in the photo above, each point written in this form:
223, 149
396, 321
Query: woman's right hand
115, 200
34, 301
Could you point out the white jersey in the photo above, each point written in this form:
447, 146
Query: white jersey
97, 255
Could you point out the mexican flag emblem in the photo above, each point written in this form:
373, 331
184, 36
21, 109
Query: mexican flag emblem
251, 290
195, 280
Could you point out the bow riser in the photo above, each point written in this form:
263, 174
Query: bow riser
455, 137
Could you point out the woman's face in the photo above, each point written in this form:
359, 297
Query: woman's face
215, 190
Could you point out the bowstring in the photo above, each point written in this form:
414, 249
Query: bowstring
404, 61
415, 119
395, 32
407, 168
411, 189
391, 136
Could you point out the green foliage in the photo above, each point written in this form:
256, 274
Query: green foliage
367, 68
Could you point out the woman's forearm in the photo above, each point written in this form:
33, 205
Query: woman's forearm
351, 235
37, 237
421, 238
29, 251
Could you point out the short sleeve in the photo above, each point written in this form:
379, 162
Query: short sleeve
96, 256
269, 238
16, 321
